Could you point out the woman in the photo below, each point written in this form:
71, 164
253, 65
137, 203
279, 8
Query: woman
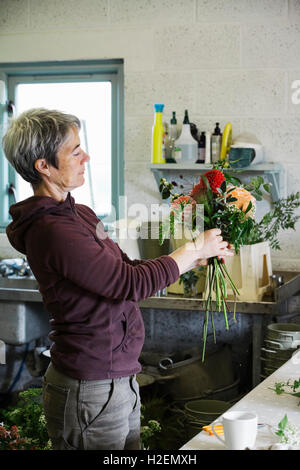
89, 287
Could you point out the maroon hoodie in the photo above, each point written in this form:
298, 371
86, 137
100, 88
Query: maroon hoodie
89, 286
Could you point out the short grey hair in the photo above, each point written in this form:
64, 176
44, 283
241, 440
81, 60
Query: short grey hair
36, 133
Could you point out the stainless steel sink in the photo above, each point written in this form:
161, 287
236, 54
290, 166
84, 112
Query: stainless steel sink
22, 315
18, 283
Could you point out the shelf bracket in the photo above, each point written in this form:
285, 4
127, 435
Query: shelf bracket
273, 172
275, 187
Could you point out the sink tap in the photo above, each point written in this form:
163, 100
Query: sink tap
25, 269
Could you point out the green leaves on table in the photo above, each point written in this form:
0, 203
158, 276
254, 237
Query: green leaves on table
282, 426
284, 387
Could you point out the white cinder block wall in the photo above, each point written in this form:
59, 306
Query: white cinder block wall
223, 60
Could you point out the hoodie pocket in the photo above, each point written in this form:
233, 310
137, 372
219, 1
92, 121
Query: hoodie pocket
124, 323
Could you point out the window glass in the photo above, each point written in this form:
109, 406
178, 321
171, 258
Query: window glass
91, 103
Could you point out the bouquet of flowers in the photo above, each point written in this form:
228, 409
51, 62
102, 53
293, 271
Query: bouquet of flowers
225, 206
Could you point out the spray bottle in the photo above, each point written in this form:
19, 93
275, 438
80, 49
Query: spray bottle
216, 143
186, 142
158, 147
208, 148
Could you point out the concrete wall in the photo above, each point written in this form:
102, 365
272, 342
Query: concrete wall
232, 60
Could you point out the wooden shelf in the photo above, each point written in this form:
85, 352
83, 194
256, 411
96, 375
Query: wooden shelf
279, 305
273, 172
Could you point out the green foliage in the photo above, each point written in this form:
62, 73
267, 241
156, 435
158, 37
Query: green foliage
235, 225
170, 435
288, 432
281, 217
284, 387
150, 427
148, 431
165, 188
282, 426
189, 279
28, 416
168, 225
254, 187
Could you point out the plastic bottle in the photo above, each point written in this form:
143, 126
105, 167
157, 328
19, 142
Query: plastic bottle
226, 141
158, 147
201, 148
216, 142
173, 127
170, 142
207, 148
187, 144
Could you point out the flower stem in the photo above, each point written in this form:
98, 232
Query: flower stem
234, 288
211, 273
234, 308
217, 281
225, 308
216, 278
213, 326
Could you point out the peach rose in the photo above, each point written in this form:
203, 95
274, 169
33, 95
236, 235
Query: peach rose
243, 198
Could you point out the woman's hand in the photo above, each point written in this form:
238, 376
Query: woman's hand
207, 245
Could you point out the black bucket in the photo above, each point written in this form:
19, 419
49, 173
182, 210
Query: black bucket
148, 241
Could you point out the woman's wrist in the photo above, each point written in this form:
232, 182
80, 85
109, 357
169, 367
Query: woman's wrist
185, 257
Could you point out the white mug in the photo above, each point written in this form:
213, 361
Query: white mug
240, 429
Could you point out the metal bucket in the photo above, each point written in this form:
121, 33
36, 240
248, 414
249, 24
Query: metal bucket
287, 335
273, 363
277, 354
193, 379
281, 341
195, 414
228, 393
192, 429
148, 241
205, 411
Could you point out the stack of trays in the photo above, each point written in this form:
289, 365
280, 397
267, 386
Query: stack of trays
281, 341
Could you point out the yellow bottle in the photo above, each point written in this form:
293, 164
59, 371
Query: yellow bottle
158, 148
226, 141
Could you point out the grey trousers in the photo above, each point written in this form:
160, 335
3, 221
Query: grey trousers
91, 414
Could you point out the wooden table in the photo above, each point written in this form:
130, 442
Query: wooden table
269, 407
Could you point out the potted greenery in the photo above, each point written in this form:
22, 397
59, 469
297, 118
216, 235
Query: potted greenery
27, 421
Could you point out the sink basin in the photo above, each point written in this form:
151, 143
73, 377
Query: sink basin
22, 315
18, 283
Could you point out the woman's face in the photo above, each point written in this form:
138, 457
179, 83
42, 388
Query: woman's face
71, 163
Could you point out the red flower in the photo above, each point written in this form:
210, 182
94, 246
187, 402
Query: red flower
197, 190
215, 179
14, 432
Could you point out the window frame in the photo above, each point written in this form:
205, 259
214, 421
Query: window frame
13, 74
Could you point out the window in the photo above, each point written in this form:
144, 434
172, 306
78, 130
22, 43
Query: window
93, 91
